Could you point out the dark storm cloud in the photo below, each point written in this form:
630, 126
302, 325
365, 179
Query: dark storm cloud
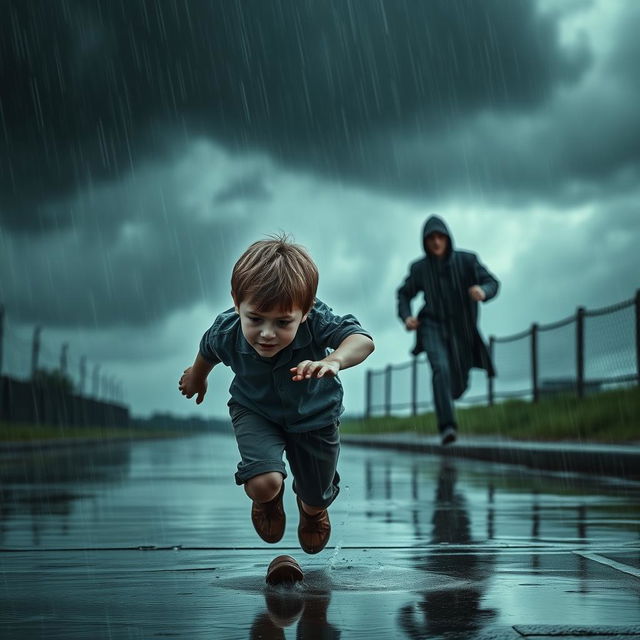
92, 88
94, 284
582, 147
624, 59
251, 187
132, 255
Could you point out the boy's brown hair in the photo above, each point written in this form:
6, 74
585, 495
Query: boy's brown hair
275, 274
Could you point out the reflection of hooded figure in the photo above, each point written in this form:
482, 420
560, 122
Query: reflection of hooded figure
448, 319
457, 609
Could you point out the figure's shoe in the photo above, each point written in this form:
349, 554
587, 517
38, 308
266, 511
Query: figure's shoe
284, 569
313, 531
269, 518
449, 435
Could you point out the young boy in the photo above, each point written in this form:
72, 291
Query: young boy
286, 395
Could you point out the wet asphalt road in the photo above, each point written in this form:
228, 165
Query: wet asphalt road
153, 539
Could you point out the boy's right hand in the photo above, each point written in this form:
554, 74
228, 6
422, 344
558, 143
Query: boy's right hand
411, 323
189, 385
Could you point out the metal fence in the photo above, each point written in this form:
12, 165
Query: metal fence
583, 353
23, 358
42, 387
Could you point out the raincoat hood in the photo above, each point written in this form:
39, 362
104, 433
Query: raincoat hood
433, 224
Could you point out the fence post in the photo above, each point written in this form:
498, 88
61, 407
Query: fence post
63, 358
580, 352
35, 351
387, 390
638, 334
96, 381
83, 373
367, 394
535, 387
414, 386
492, 341
1, 335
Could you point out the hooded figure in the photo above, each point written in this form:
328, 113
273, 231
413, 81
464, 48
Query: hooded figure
452, 282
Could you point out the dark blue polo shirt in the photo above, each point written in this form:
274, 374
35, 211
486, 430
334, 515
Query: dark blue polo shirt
264, 385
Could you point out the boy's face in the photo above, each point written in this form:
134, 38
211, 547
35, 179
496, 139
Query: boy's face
269, 332
437, 244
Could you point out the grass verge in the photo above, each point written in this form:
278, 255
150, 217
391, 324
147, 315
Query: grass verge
12, 432
610, 416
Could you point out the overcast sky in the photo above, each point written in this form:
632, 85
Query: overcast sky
144, 145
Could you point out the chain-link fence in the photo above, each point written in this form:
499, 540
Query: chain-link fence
587, 352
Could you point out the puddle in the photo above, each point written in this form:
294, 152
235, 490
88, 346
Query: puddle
352, 577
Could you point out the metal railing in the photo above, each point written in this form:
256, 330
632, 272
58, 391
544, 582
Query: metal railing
40, 386
578, 354
24, 358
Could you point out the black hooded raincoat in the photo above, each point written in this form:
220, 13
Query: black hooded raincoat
445, 283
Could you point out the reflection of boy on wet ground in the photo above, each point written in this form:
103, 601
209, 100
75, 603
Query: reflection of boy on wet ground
286, 396
286, 608
453, 282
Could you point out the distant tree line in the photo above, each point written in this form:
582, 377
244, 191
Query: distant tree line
160, 421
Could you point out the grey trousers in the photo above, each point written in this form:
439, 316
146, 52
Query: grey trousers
312, 455
435, 344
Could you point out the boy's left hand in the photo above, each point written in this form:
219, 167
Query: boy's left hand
314, 369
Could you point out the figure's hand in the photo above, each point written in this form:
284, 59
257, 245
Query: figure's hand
189, 385
477, 293
411, 323
315, 369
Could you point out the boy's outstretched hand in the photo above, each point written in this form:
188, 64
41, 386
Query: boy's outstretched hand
351, 351
314, 369
191, 384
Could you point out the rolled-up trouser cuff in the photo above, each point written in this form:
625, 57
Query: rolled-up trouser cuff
247, 471
319, 502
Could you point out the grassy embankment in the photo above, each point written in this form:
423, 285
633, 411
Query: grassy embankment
610, 416
10, 432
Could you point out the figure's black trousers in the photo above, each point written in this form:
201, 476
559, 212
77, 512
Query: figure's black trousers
445, 385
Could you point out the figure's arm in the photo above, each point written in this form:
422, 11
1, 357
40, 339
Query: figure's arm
194, 379
405, 294
487, 286
353, 350
487, 281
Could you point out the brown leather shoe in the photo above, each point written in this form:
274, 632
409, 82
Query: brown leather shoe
269, 518
284, 569
313, 531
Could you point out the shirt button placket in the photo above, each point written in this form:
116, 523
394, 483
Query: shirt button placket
278, 386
